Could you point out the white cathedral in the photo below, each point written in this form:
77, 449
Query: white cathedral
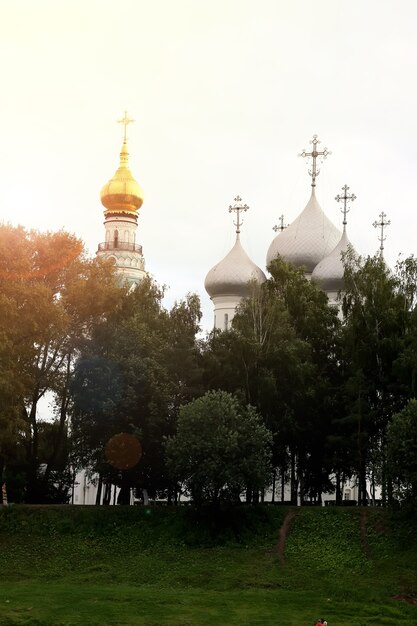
311, 241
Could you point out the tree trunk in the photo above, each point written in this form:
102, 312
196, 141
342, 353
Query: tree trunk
107, 494
373, 488
338, 489
300, 475
362, 457
99, 489
274, 477
2, 467
293, 479
362, 483
32, 467
62, 421
390, 490
124, 493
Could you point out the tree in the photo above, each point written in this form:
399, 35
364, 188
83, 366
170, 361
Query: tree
280, 356
376, 319
406, 363
316, 324
52, 295
140, 365
220, 448
402, 451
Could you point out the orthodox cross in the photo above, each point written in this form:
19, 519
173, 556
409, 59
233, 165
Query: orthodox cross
381, 224
281, 226
314, 172
345, 199
238, 207
125, 121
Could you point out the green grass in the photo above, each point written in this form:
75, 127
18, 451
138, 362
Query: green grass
116, 565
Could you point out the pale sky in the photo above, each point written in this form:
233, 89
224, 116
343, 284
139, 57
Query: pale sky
225, 94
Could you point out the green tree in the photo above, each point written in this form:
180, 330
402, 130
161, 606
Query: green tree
402, 451
280, 356
406, 363
376, 319
141, 364
219, 449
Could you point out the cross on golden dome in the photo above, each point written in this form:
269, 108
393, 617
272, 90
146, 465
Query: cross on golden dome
125, 121
122, 194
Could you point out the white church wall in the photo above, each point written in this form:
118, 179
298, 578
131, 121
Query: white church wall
85, 489
224, 311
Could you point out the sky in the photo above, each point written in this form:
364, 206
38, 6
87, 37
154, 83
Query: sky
225, 94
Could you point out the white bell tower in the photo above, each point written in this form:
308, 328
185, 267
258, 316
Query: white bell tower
122, 198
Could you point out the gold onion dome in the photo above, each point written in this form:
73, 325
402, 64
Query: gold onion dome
122, 194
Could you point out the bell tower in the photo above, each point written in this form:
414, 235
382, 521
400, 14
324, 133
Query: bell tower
122, 198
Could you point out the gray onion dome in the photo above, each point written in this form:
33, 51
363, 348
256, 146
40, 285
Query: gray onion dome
330, 271
230, 277
309, 239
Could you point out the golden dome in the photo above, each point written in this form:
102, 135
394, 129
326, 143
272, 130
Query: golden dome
122, 194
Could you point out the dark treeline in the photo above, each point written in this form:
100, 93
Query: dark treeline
294, 393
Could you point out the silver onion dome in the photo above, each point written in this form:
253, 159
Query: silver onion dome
231, 276
330, 271
310, 238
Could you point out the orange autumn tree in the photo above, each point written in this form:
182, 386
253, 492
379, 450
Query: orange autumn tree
52, 294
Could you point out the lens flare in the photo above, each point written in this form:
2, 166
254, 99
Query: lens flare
123, 451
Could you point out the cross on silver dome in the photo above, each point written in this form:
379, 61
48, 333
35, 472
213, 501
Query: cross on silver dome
281, 226
381, 224
237, 208
345, 198
314, 172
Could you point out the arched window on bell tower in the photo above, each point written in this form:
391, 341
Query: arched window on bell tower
116, 238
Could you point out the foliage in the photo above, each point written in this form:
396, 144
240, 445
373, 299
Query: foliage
376, 323
117, 361
280, 356
219, 449
402, 451
140, 365
52, 296
131, 565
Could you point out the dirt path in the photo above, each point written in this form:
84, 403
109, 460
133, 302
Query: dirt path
405, 597
283, 533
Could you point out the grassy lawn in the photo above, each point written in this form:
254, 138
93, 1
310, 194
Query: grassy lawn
158, 567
